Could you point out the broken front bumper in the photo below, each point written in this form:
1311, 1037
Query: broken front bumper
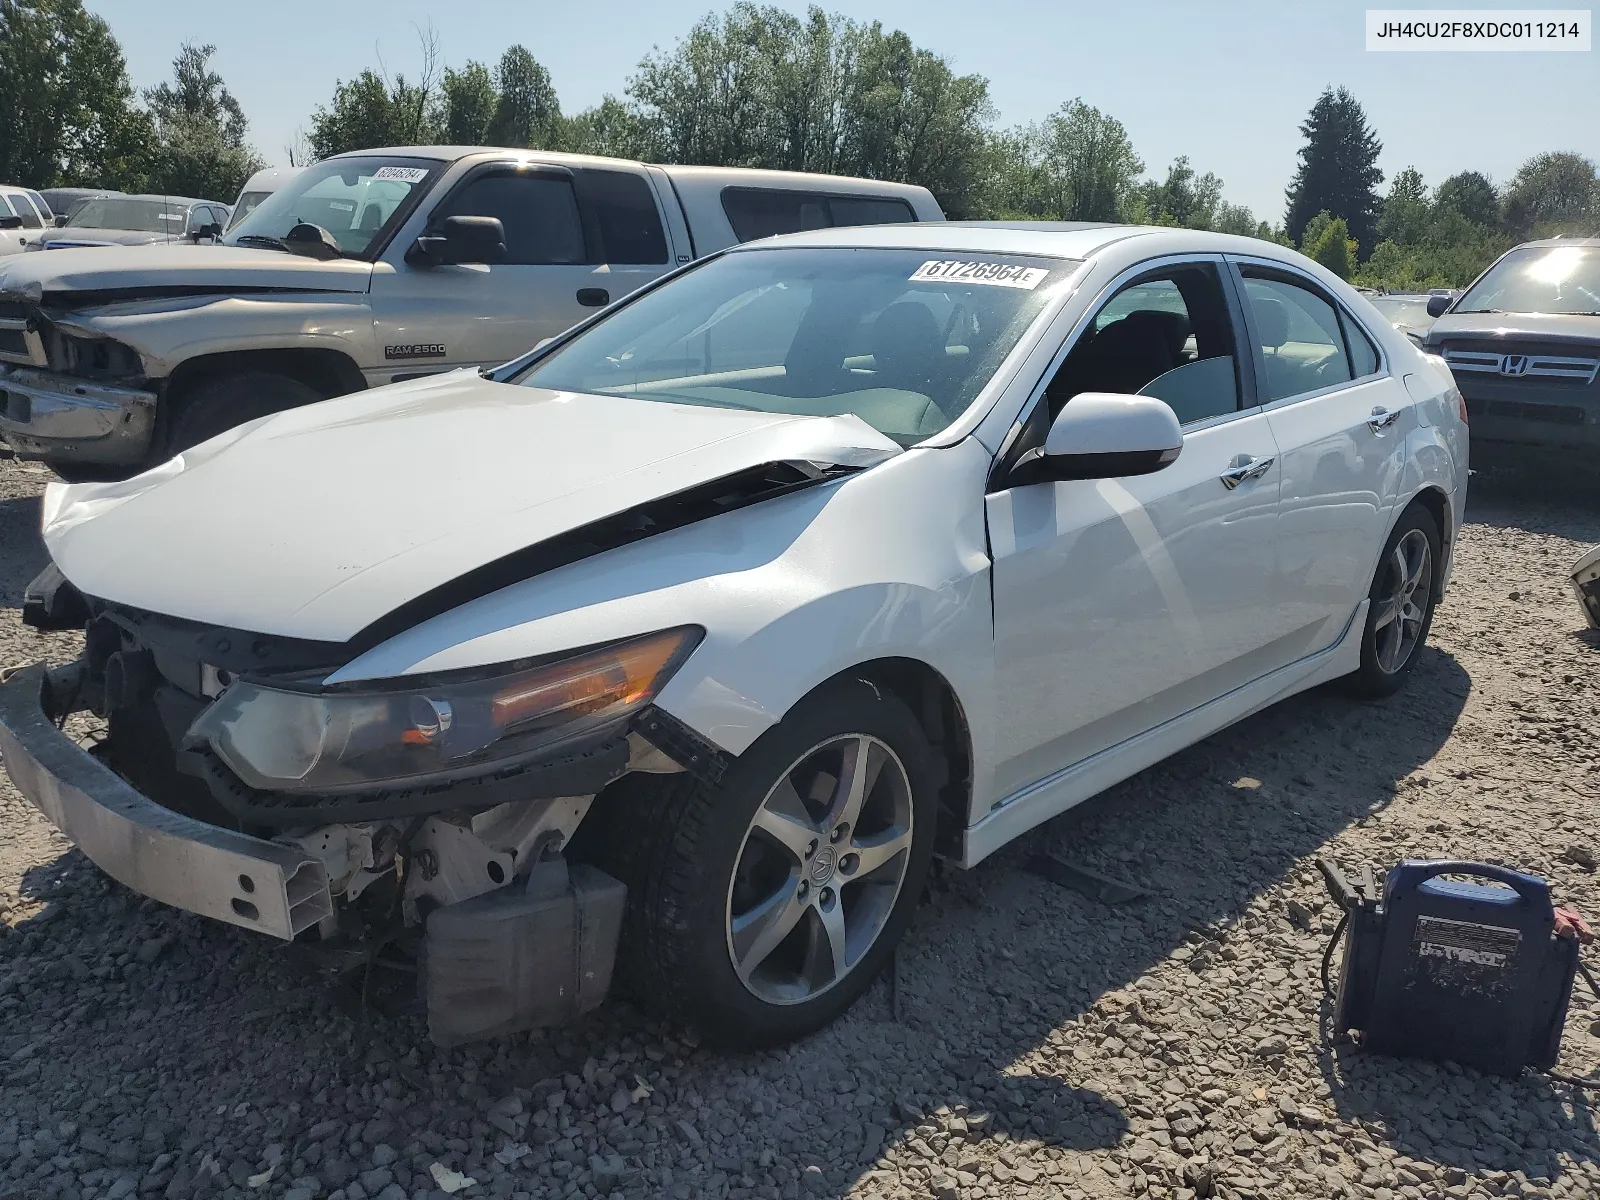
205, 869
64, 419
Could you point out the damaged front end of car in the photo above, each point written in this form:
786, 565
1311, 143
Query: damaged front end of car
430, 813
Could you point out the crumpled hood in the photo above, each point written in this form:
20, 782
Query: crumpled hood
316, 522
130, 271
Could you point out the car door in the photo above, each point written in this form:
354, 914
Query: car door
1340, 421
1121, 603
559, 226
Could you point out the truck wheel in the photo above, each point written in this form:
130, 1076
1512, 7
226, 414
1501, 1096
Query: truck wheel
217, 405
1404, 591
761, 908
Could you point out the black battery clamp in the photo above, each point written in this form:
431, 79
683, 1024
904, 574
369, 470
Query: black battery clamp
1444, 969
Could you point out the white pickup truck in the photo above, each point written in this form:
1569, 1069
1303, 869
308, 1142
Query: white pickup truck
365, 269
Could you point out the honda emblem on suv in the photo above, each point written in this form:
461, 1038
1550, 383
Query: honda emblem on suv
1515, 365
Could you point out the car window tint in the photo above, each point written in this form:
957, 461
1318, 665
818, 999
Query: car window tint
539, 214
23, 207
758, 213
1302, 349
868, 210
1168, 336
625, 209
1363, 354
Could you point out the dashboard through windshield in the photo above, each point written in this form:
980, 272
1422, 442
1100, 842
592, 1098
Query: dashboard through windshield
356, 201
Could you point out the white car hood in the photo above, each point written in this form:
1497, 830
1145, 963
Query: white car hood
126, 271
316, 522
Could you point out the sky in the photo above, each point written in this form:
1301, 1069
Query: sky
1226, 84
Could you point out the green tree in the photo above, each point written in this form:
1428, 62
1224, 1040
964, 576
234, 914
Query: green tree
1553, 193
1338, 170
373, 110
1183, 198
1078, 164
526, 113
469, 104
760, 87
1235, 219
69, 111
611, 128
200, 131
1336, 249
1315, 228
1472, 195
1406, 210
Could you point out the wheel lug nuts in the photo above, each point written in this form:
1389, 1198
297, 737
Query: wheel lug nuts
849, 863
805, 887
825, 898
812, 848
837, 833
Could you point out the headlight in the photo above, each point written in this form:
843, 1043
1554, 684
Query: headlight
406, 730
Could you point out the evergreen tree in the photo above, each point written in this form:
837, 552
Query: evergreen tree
1338, 169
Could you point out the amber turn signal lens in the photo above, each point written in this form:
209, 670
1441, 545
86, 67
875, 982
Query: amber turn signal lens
620, 676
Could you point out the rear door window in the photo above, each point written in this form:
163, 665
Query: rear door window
538, 212
767, 212
23, 207
624, 210
1297, 330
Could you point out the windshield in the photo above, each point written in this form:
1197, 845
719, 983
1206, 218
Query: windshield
902, 339
354, 199
247, 203
1539, 279
121, 212
1407, 312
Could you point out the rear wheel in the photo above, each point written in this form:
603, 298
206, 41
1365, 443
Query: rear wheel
1402, 597
761, 908
217, 405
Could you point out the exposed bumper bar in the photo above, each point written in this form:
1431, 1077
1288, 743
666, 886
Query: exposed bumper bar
45, 415
178, 860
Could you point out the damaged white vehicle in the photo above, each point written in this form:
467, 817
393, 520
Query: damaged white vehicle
686, 641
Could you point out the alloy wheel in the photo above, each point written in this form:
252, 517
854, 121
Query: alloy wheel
820, 869
1402, 606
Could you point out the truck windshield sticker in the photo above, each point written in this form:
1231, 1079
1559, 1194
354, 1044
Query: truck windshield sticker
943, 270
403, 174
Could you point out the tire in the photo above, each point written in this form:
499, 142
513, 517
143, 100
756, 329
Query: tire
1391, 644
217, 405
697, 868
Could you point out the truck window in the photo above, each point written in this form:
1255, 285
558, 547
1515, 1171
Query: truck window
539, 213
23, 209
869, 210
625, 210
766, 212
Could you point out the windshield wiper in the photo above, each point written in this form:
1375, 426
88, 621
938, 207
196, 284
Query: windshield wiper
261, 239
1460, 311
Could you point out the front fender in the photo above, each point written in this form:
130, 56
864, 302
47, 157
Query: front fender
888, 563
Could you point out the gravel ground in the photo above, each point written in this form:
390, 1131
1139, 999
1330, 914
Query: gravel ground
1046, 1045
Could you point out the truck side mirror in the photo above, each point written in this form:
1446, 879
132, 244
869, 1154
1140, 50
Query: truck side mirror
1437, 305
10, 222
61, 220
461, 240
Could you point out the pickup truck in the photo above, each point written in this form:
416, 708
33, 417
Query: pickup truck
366, 269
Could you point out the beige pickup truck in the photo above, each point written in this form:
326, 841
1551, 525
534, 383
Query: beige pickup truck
365, 269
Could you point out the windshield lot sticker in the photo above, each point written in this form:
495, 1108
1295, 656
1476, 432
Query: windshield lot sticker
415, 350
944, 270
403, 174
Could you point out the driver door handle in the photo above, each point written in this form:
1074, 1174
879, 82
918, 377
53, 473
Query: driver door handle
1381, 419
1244, 467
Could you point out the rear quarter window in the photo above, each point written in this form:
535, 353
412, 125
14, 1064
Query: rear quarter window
767, 212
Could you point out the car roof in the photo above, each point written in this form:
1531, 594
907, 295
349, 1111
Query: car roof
1586, 242
1052, 239
452, 153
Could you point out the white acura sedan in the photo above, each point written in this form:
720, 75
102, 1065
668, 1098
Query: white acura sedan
685, 642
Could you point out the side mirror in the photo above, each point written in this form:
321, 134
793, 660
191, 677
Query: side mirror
61, 220
1437, 305
461, 240
10, 222
1099, 435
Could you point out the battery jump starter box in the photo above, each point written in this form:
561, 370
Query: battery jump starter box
1472, 972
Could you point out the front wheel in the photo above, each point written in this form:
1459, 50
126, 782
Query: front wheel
217, 405
760, 909
1402, 598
